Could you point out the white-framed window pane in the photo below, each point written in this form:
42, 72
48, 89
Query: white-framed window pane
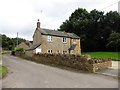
64, 39
74, 40
72, 51
64, 52
49, 38
49, 51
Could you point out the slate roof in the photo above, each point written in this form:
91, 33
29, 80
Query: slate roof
33, 47
28, 44
72, 35
31, 41
72, 47
58, 33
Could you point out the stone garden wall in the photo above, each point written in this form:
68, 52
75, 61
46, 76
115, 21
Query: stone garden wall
81, 62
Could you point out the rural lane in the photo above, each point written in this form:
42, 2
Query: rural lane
27, 74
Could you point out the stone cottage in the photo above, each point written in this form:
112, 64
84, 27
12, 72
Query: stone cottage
24, 45
52, 41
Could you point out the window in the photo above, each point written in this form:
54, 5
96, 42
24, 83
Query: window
50, 38
74, 40
57, 51
49, 51
64, 52
64, 40
72, 51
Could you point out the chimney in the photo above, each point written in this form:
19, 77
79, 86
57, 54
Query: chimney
38, 24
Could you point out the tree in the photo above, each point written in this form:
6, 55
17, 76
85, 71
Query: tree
9, 43
94, 28
77, 23
114, 41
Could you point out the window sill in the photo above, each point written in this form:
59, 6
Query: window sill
50, 41
64, 42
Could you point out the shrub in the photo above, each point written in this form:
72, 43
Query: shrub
19, 49
13, 52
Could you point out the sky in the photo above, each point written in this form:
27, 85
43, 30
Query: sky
21, 15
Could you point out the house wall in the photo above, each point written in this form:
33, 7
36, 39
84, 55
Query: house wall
37, 36
22, 45
30, 52
77, 49
56, 44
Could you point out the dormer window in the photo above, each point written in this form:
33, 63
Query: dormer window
74, 40
64, 40
50, 38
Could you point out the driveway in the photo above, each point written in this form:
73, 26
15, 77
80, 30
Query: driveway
27, 74
111, 71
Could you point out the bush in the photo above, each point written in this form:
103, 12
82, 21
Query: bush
19, 50
13, 52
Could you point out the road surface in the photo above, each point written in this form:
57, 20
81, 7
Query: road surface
27, 74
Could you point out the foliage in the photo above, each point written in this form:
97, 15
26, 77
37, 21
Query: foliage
94, 28
19, 49
114, 41
9, 43
13, 52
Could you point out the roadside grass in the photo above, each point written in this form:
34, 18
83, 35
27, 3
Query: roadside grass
6, 52
3, 71
117, 78
114, 55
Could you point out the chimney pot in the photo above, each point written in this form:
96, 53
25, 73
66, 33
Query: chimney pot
38, 24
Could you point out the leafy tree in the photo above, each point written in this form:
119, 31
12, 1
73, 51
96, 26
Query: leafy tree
114, 41
9, 43
94, 28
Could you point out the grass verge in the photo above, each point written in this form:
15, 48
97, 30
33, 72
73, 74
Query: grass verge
117, 78
5, 52
3, 71
114, 55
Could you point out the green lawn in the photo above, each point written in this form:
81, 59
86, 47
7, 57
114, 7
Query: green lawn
3, 70
113, 55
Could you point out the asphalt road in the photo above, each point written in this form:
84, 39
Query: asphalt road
27, 74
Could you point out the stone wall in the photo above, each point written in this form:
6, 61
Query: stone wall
81, 62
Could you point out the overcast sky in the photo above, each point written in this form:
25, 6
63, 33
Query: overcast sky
21, 15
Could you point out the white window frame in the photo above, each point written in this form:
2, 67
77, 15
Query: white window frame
51, 51
64, 40
74, 40
71, 51
50, 38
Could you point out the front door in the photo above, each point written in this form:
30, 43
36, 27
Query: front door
38, 50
